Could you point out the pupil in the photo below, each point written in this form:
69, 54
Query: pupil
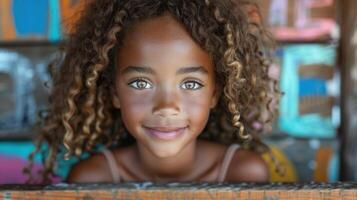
141, 84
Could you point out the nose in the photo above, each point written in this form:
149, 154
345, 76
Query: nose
166, 103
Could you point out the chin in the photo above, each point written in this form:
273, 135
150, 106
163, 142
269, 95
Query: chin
165, 150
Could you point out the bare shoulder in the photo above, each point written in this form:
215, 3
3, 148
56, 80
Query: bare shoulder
93, 169
247, 166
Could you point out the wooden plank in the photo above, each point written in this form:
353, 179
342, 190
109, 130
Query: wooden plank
147, 190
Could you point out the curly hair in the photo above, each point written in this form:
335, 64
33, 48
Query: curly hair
81, 115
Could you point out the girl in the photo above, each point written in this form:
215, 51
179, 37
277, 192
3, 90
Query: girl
164, 86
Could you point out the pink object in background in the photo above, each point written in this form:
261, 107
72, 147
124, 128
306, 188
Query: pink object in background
320, 3
303, 20
316, 30
11, 170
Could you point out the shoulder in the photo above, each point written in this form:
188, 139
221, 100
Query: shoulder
247, 166
93, 169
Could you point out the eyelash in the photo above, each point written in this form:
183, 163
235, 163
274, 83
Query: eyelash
134, 84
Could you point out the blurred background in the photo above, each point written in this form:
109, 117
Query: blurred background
315, 62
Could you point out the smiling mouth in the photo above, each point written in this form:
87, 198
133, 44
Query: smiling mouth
165, 133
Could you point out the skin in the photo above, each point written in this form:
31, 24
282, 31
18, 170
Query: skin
165, 83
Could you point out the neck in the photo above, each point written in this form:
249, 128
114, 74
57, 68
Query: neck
169, 169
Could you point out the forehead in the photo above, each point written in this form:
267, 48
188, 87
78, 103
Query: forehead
161, 40
163, 28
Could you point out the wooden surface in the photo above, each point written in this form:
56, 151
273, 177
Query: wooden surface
148, 190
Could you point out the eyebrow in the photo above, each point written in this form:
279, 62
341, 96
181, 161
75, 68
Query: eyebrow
186, 70
148, 70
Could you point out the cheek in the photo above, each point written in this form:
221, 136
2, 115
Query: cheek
197, 108
133, 107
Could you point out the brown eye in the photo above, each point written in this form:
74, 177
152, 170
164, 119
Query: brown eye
191, 85
140, 84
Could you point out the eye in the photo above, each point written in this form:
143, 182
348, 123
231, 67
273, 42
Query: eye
140, 84
191, 85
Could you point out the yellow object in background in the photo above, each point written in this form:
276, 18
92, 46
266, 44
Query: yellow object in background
289, 175
323, 157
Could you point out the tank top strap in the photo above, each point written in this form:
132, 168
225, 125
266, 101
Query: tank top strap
226, 161
113, 166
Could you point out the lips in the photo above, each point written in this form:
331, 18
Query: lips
165, 133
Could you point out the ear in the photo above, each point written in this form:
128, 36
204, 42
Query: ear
215, 96
115, 99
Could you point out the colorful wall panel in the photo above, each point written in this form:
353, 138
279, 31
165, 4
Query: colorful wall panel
40, 20
301, 20
309, 91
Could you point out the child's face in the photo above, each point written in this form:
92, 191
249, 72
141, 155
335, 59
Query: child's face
165, 86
